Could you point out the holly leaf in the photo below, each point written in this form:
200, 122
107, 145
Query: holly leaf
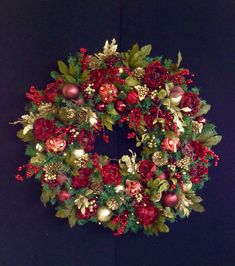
62, 67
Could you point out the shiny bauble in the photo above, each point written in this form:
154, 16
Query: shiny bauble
169, 199
78, 153
162, 176
100, 107
70, 91
120, 106
63, 195
104, 214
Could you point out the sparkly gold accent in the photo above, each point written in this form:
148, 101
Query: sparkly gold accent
110, 49
81, 162
152, 142
172, 167
154, 94
66, 114
138, 197
112, 204
184, 163
197, 127
89, 89
46, 108
94, 63
158, 159
142, 91
52, 170
139, 73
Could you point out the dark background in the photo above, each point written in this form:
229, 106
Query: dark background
33, 36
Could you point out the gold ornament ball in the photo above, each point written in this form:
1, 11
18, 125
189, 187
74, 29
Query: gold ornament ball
104, 214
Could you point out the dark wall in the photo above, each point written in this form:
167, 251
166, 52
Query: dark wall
33, 35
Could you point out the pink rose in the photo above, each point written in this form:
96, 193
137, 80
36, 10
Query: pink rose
133, 187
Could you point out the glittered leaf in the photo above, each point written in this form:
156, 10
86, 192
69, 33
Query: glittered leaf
213, 141
72, 219
204, 109
69, 78
28, 137
62, 67
84, 76
145, 50
72, 69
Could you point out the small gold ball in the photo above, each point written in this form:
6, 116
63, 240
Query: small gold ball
104, 214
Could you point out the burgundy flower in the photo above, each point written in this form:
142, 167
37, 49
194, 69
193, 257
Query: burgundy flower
43, 129
111, 174
146, 214
155, 75
197, 173
97, 77
86, 139
132, 97
190, 100
147, 169
82, 179
51, 91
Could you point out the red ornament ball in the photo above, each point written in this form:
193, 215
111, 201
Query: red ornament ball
70, 91
169, 199
120, 106
100, 107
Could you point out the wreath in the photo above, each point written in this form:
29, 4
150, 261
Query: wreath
164, 114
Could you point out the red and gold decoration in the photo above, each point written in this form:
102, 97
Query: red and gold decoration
165, 115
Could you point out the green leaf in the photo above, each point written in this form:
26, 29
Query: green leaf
54, 74
163, 228
69, 78
110, 110
63, 213
212, 141
72, 69
62, 67
84, 76
198, 207
145, 50
72, 219
204, 109
179, 59
196, 199
28, 137
131, 81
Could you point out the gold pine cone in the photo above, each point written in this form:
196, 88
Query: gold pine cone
112, 204
97, 186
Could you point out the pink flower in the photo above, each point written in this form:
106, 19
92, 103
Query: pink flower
133, 187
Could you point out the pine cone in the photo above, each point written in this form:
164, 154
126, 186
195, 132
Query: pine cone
112, 204
97, 186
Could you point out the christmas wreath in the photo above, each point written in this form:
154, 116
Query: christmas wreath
164, 114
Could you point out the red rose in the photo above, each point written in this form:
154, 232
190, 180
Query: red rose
155, 75
111, 174
43, 129
63, 195
190, 101
132, 97
147, 169
146, 214
97, 77
197, 173
82, 179
86, 139
51, 92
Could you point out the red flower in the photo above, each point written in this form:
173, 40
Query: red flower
155, 75
147, 169
86, 139
191, 101
146, 214
97, 77
132, 97
197, 173
43, 129
108, 92
82, 179
51, 92
111, 174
